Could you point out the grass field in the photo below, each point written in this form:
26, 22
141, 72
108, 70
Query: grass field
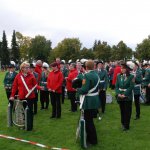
61, 132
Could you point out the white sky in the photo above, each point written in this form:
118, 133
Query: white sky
105, 20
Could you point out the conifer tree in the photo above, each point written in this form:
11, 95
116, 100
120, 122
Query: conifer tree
15, 54
4, 51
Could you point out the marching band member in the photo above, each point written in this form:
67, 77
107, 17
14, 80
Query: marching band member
70, 90
124, 87
35, 103
103, 84
78, 67
25, 83
91, 102
146, 82
137, 87
9, 79
117, 70
38, 69
54, 85
44, 94
64, 70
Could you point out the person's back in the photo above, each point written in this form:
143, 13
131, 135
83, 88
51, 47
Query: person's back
117, 70
91, 102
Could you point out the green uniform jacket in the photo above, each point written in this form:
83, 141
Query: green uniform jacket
90, 80
43, 81
65, 74
138, 81
146, 79
80, 76
9, 79
103, 77
125, 83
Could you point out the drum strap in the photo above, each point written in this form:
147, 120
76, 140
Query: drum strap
29, 91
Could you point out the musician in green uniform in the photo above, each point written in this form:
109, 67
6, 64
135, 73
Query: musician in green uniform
146, 83
103, 83
91, 101
124, 88
44, 94
137, 72
65, 71
9, 79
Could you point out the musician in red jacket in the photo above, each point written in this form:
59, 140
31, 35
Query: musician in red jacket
117, 70
38, 69
25, 83
70, 90
54, 85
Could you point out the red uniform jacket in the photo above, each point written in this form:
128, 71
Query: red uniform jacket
72, 75
117, 70
19, 86
38, 69
55, 81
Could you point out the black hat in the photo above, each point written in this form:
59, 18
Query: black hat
62, 62
100, 62
32, 66
11, 66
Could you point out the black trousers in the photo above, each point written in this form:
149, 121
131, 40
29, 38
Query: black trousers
102, 96
44, 98
90, 127
56, 105
72, 97
125, 110
35, 103
30, 116
147, 95
8, 93
63, 94
137, 105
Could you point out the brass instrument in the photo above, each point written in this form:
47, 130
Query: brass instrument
18, 114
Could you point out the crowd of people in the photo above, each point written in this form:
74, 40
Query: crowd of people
90, 78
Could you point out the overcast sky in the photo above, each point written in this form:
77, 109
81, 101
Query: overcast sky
88, 20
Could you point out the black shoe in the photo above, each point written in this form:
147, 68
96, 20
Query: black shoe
74, 110
125, 129
52, 117
58, 117
136, 118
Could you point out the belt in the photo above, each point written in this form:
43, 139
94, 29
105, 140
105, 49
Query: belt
122, 89
137, 85
92, 94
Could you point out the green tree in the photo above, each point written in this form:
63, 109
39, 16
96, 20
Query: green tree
121, 51
67, 49
24, 43
102, 51
15, 54
40, 48
4, 51
143, 49
86, 53
95, 45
